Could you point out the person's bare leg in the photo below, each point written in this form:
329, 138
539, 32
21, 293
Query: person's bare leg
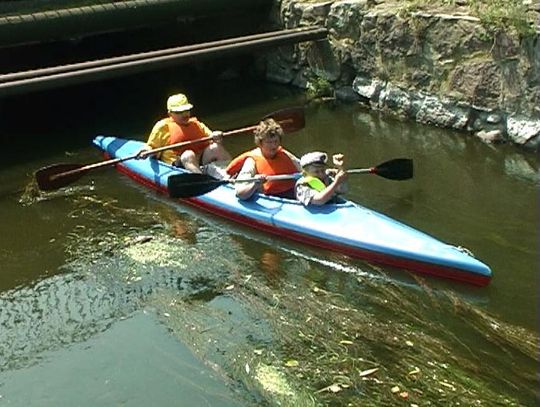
215, 152
190, 161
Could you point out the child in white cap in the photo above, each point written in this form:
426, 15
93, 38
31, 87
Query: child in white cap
319, 184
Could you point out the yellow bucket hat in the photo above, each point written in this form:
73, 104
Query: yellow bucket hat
178, 103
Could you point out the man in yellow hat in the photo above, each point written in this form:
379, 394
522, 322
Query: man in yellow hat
180, 127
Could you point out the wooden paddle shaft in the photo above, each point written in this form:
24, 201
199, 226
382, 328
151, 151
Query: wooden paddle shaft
360, 171
285, 177
204, 139
59, 175
281, 177
149, 152
158, 150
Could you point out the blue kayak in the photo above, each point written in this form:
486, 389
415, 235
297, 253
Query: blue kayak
346, 227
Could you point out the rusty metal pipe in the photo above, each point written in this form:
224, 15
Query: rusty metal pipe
147, 64
16, 76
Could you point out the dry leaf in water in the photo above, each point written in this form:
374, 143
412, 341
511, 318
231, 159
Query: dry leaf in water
368, 372
334, 388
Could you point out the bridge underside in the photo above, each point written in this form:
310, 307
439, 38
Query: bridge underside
36, 34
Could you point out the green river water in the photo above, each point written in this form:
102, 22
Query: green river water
112, 295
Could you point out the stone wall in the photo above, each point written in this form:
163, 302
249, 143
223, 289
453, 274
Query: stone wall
441, 69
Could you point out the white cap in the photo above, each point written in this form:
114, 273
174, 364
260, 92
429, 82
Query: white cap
315, 157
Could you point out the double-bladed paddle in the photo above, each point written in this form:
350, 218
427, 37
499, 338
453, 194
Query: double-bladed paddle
59, 175
189, 185
397, 169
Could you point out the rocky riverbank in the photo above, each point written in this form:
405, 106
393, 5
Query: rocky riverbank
443, 67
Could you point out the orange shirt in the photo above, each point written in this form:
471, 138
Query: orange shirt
280, 164
161, 136
193, 130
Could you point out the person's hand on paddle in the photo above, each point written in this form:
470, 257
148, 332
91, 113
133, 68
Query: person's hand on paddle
217, 136
260, 178
143, 152
256, 179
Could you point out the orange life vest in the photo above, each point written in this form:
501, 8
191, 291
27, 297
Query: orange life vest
189, 132
280, 164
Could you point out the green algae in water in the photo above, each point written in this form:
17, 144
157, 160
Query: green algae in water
272, 380
356, 341
337, 342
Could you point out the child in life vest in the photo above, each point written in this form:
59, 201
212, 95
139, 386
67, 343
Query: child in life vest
319, 184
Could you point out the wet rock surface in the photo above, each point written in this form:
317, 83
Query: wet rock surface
439, 66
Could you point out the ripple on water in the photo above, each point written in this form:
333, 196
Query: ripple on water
319, 324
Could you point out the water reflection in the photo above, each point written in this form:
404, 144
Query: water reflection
119, 366
55, 312
521, 166
259, 308
271, 262
179, 225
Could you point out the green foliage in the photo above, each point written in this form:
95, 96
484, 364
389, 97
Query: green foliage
507, 15
503, 14
318, 87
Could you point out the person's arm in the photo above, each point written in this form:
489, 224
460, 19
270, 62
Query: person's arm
158, 137
322, 197
217, 135
343, 187
245, 190
294, 159
339, 161
205, 131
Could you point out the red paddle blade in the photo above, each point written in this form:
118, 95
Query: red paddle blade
291, 119
57, 176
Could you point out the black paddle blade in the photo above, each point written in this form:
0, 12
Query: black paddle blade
397, 169
291, 119
189, 185
57, 176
